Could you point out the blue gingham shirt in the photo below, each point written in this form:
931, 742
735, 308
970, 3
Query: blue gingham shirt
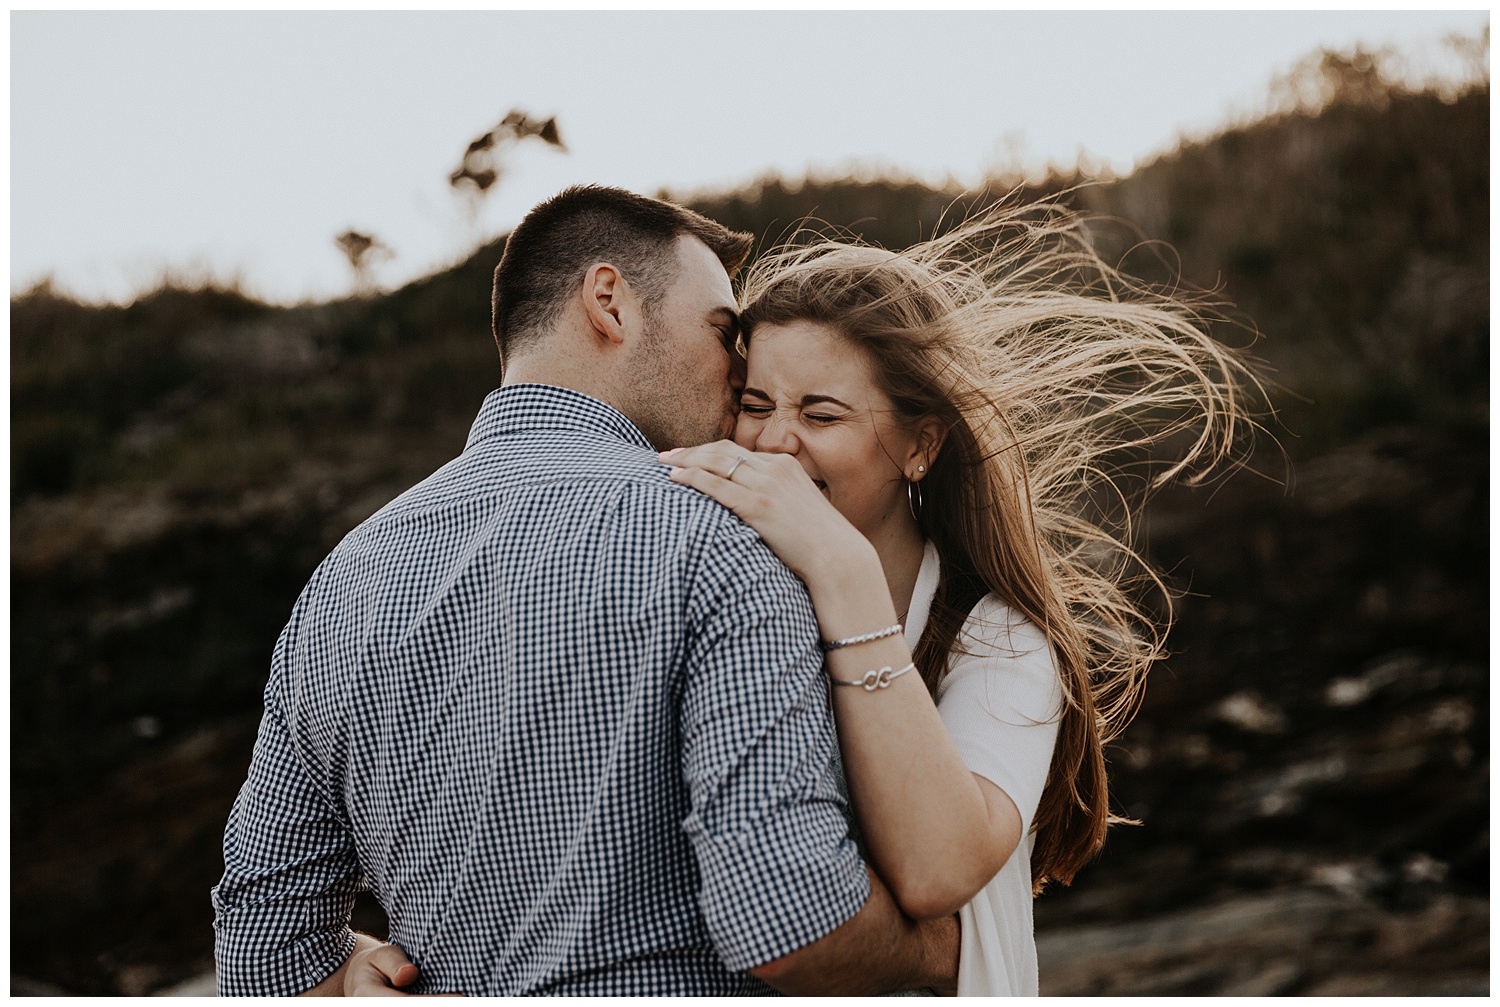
565, 718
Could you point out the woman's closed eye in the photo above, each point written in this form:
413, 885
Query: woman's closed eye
760, 409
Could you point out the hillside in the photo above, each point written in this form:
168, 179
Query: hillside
1310, 768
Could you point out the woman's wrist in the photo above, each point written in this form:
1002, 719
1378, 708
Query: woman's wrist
841, 564
848, 590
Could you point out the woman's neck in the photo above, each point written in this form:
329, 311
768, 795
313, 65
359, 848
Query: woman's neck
899, 545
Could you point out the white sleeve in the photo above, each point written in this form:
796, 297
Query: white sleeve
1001, 702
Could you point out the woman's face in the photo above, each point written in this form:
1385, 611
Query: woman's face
810, 393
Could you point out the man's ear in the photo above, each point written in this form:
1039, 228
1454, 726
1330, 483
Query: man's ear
604, 294
931, 434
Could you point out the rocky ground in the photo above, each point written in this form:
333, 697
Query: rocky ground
1314, 941
1311, 770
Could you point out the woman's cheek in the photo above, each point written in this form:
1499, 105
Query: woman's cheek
745, 431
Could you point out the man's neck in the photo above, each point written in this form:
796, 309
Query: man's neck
529, 371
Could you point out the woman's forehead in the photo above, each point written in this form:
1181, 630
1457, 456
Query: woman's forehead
808, 358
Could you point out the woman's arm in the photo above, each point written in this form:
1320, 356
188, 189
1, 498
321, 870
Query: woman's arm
936, 833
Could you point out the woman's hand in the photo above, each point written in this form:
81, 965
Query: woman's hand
772, 494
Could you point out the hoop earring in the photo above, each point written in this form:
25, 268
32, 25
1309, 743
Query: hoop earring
914, 499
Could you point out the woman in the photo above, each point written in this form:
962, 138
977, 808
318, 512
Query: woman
926, 440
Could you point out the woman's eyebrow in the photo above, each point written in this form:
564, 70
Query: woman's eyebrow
807, 400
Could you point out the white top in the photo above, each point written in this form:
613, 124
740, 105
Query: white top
1001, 702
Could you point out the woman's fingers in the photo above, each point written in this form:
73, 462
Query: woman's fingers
722, 458
729, 493
774, 478
771, 493
787, 467
763, 471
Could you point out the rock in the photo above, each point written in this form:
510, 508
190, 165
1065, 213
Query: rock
21, 986
205, 985
1197, 950
1299, 940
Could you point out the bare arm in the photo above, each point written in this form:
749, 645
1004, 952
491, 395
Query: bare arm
281, 910
936, 832
875, 951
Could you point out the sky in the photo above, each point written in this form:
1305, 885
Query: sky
236, 146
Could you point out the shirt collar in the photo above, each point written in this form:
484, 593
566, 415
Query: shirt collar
530, 406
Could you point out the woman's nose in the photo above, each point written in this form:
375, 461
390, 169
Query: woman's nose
776, 436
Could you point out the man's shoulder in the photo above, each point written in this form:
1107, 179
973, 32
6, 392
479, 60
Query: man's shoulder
523, 459
569, 468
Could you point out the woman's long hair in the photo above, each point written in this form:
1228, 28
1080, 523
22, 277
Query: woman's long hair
1054, 375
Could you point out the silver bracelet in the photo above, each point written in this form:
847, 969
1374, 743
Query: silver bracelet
875, 678
849, 641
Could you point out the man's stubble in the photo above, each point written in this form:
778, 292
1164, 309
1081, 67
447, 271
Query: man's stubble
672, 408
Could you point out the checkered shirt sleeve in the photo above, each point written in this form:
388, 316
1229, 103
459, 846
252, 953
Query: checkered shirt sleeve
767, 823
281, 914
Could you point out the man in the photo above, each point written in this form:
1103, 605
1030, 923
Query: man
564, 717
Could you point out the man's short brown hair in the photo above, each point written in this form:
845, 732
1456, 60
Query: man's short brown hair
549, 252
